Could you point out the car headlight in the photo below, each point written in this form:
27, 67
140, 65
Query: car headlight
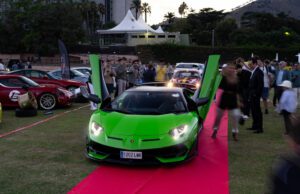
96, 129
178, 131
170, 85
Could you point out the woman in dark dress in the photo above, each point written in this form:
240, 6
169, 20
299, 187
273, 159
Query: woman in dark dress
228, 100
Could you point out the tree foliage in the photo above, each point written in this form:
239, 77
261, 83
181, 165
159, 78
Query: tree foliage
136, 6
146, 8
182, 10
34, 26
256, 29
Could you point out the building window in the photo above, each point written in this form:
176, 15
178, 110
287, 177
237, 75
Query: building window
171, 36
141, 36
134, 36
161, 36
151, 36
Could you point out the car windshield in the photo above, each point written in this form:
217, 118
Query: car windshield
186, 74
30, 82
51, 76
148, 103
189, 66
78, 74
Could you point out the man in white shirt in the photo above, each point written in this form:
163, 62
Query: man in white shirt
287, 104
266, 88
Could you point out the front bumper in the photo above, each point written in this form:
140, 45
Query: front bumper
172, 154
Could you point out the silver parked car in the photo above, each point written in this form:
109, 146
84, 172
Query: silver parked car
85, 70
74, 75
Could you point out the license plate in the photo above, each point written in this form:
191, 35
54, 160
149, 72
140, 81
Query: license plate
131, 155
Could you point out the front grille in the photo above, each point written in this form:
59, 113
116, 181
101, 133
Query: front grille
114, 153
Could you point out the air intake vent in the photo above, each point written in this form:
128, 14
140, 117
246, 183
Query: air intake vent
115, 138
145, 140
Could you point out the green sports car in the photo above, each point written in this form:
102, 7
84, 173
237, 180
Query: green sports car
147, 124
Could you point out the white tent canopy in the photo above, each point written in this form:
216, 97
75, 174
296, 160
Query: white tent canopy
143, 24
129, 24
159, 30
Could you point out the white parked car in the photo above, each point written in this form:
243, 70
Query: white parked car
199, 66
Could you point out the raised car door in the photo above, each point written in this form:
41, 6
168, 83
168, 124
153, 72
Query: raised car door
210, 83
10, 89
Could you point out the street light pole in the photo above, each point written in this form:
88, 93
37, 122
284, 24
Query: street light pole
114, 57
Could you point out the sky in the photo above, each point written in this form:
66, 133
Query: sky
160, 7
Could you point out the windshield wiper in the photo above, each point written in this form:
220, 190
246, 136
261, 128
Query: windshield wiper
179, 112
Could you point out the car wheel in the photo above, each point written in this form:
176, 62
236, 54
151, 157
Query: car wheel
25, 112
47, 101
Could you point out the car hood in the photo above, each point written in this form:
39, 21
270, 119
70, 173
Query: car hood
119, 125
71, 82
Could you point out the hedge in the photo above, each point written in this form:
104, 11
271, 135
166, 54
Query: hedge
175, 53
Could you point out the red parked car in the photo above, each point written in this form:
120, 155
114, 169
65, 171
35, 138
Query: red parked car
48, 96
43, 77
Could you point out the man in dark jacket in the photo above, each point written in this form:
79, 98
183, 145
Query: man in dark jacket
244, 78
256, 85
149, 74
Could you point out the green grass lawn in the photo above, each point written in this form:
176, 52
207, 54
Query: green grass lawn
49, 158
251, 159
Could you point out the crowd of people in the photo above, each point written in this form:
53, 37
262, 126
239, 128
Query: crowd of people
246, 84
126, 74
15, 65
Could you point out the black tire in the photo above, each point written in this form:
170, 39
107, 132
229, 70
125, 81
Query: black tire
25, 112
47, 101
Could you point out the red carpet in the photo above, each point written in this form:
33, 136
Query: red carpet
206, 174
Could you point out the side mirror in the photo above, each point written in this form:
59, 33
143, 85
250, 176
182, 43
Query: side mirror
201, 101
91, 97
94, 98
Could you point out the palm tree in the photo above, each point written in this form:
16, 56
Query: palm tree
102, 10
182, 9
170, 16
136, 5
84, 7
146, 9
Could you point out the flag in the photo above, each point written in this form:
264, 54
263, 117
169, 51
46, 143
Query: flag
64, 60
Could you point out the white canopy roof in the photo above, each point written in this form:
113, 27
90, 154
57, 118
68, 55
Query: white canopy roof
129, 24
159, 30
143, 24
